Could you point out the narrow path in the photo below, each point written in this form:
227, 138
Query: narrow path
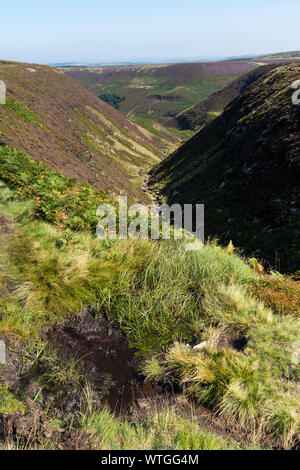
6, 225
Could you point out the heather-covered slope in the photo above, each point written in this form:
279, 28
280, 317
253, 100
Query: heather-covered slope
97, 337
202, 113
59, 122
245, 167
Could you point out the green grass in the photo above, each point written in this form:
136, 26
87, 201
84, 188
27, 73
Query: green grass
21, 111
183, 135
162, 297
148, 124
56, 198
163, 429
8, 403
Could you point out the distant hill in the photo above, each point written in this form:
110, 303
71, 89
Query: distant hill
154, 93
245, 167
294, 55
202, 113
57, 121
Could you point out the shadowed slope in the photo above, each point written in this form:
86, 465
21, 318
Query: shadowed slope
245, 167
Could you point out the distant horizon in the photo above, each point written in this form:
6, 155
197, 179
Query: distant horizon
149, 60
145, 60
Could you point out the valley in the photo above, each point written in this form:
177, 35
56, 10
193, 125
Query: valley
140, 344
60, 123
152, 94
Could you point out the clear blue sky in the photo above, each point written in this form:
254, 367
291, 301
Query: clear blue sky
96, 30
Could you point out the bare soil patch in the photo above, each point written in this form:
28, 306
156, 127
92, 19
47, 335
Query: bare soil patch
104, 356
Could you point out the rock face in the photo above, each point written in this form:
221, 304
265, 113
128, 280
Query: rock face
244, 167
2, 92
2, 352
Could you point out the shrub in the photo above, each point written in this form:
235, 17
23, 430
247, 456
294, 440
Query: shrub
56, 197
112, 99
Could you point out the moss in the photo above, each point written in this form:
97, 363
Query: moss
8, 403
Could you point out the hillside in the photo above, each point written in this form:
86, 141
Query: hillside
142, 344
208, 109
62, 124
153, 93
245, 167
129, 344
293, 55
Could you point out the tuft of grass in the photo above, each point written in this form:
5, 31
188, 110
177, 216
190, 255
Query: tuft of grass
245, 388
163, 429
21, 111
153, 369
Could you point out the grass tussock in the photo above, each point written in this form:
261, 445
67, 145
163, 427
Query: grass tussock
235, 386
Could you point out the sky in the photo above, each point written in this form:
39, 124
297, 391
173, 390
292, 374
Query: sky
48, 31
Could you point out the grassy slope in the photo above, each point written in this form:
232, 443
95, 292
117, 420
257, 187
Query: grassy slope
155, 92
245, 167
59, 122
161, 297
206, 110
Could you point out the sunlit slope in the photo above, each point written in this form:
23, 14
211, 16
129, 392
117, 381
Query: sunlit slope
158, 92
59, 122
